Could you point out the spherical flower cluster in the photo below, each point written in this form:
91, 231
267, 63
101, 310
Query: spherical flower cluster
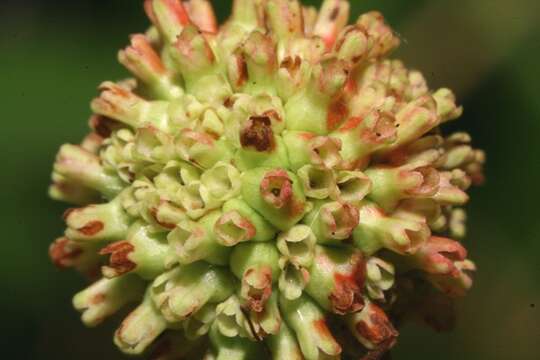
271, 188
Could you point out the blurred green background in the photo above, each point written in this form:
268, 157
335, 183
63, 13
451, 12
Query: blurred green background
54, 54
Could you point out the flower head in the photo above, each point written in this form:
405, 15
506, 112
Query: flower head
275, 186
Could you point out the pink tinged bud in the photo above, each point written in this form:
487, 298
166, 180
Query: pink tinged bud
414, 120
202, 14
196, 61
438, 256
333, 17
285, 18
376, 231
142, 60
276, 194
458, 285
448, 193
82, 167
169, 16
268, 321
352, 44
390, 185
320, 106
362, 136
119, 104
373, 329
337, 280
381, 35
201, 148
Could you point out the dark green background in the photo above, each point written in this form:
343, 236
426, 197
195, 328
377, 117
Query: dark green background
53, 55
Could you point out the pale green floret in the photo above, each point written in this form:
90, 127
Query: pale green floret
140, 328
185, 290
264, 231
307, 320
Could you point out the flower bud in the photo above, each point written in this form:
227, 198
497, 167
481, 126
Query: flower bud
144, 62
106, 296
143, 252
202, 14
390, 185
101, 222
81, 167
337, 279
276, 194
264, 231
194, 241
376, 231
284, 18
372, 328
183, 291
140, 328
283, 345
237, 348
169, 16
305, 148
379, 277
333, 17
307, 321
66, 253
332, 222
318, 182
256, 264
319, 107
382, 35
